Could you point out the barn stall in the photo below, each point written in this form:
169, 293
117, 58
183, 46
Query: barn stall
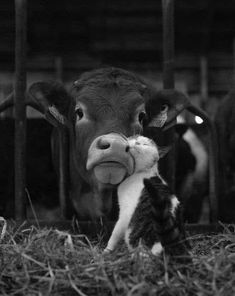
58, 63
99, 47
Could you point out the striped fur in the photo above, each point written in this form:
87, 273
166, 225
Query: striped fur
157, 218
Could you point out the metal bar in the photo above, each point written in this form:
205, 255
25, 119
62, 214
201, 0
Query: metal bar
233, 60
7, 102
19, 100
203, 80
63, 151
63, 171
168, 81
168, 44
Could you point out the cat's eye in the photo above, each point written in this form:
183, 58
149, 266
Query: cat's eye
79, 112
164, 108
141, 143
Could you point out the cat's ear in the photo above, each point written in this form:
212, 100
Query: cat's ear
163, 151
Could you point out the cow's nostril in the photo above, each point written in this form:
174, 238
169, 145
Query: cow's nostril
103, 144
127, 148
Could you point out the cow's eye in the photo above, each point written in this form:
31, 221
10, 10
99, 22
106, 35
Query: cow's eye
79, 113
142, 117
164, 108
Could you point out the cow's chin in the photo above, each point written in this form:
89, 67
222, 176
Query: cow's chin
110, 173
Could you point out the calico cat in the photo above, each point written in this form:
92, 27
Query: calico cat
148, 211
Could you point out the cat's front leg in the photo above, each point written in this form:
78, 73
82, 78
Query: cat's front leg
116, 236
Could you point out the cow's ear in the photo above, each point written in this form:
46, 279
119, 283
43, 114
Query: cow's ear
163, 107
52, 100
163, 150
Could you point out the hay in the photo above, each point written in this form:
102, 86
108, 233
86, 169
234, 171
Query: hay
46, 261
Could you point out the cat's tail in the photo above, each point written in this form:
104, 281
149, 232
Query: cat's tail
167, 216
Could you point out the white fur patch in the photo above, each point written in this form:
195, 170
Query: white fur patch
198, 149
157, 249
174, 204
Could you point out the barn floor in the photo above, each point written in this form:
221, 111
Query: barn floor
48, 261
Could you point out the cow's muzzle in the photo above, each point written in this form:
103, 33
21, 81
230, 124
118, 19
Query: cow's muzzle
109, 158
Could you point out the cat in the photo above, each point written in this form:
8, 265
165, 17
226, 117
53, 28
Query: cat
149, 213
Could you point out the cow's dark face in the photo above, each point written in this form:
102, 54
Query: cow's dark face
103, 118
104, 108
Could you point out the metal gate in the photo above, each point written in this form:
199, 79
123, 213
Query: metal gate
18, 99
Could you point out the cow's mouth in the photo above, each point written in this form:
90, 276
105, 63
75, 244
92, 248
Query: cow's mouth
110, 172
109, 160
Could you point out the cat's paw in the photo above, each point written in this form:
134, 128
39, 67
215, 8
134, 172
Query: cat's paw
107, 251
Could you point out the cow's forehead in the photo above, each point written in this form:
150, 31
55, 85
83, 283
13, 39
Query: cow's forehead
115, 96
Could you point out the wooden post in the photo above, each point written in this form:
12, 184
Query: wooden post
20, 112
168, 80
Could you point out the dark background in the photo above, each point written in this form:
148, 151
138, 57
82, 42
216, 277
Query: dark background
68, 37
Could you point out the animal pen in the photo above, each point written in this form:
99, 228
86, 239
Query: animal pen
20, 102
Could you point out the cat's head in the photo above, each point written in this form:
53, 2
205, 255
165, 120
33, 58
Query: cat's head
145, 152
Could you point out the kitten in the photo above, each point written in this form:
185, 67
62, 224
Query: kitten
148, 211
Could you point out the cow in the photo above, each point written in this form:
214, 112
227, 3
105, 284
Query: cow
191, 171
103, 107
225, 127
191, 167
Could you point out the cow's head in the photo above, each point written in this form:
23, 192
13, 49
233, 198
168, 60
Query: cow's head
104, 107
